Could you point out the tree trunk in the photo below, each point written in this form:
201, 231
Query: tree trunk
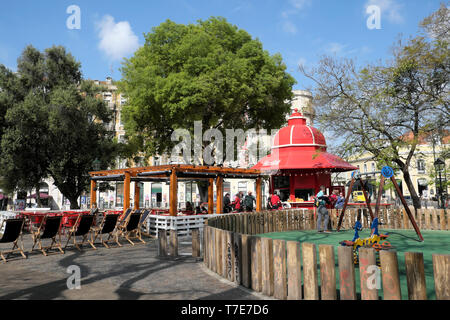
38, 196
73, 202
412, 191
203, 190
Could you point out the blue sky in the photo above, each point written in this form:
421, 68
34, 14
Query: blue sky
301, 30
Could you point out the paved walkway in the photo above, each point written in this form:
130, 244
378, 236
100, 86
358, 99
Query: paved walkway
128, 272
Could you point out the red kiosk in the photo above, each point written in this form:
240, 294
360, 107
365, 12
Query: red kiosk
299, 163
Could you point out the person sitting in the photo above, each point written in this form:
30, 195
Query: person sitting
340, 201
275, 201
189, 207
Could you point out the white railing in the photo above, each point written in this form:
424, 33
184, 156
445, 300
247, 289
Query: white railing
183, 224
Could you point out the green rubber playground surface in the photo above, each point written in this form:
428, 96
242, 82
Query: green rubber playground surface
402, 240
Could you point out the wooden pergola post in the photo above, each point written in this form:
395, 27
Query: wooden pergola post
126, 191
219, 198
173, 195
210, 196
258, 194
93, 193
137, 193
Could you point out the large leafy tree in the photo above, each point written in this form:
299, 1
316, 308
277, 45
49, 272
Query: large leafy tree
211, 72
53, 123
384, 109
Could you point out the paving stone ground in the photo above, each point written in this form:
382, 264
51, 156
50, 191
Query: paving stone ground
119, 273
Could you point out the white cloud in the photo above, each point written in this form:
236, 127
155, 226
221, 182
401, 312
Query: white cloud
289, 27
390, 9
300, 4
295, 7
336, 48
117, 40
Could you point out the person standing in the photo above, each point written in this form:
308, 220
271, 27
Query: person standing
227, 203
322, 211
237, 203
248, 201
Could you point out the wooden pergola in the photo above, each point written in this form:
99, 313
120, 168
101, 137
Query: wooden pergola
173, 174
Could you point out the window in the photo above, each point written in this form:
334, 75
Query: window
226, 187
365, 168
373, 167
304, 194
242, 186
281, 182
421, 166
156, 161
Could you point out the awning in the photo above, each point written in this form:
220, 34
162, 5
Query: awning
296, 158
41, 195
113, 177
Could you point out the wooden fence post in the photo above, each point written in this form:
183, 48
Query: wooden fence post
327, 272
218, 253
346, 273
310, 279
427, 219
442, 219
390, 276
294, 272
256, 261
415, 276
434, 219
441, 270
230, 255
162, 243
279, 269
224, 248
267, 266
246, 260
195, 243
367, 266
237, 258
173, 243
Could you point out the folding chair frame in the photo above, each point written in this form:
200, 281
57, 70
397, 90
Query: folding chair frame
97, 232
72, 232
15, 244
36, 236
122, 232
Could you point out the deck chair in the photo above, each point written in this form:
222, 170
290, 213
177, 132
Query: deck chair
13, 233
130, 226
108, 226
81, 228
51, 229
142, 220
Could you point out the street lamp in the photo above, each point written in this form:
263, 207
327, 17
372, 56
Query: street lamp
439, 165
96, 164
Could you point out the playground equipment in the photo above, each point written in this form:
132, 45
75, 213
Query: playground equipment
376, 240
386, 173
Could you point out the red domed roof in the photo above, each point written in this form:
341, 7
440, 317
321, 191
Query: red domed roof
298, 134
299, 146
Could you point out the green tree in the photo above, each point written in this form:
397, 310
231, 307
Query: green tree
384, 109
211, 72
54, 123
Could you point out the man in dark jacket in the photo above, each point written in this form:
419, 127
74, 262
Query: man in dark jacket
226, 203
248, 201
